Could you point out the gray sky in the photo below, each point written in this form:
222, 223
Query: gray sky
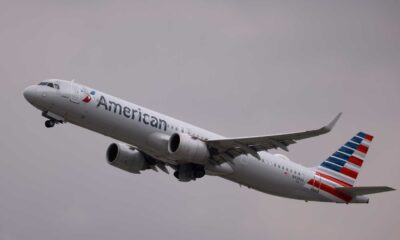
238, 68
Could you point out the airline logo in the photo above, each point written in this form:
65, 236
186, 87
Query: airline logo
345, 164
88, 96
342, 167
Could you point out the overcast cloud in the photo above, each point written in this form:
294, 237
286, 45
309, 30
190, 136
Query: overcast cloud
238, 68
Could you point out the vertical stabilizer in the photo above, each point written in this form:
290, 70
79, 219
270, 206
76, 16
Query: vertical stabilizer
343, 166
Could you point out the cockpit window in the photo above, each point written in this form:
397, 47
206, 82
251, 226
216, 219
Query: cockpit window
56, 86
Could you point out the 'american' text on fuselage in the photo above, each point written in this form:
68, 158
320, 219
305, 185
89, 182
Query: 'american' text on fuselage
132, 113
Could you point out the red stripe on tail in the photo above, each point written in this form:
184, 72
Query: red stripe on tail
362, 148
330, 190
355, 160
349, 172
369, 137
333, 179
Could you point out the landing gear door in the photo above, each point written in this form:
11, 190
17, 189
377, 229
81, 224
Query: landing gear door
75, 93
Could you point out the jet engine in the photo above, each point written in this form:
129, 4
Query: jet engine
124, 157
185, 148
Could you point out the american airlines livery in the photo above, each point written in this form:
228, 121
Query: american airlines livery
150, 140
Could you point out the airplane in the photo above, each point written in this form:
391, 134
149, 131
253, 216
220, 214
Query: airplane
149, 140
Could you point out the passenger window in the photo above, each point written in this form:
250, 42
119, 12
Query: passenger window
56, 86
50, 85
43, 84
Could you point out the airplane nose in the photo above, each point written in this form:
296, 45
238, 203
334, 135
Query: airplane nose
30, 93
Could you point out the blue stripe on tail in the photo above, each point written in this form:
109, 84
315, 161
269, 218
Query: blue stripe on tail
339, 159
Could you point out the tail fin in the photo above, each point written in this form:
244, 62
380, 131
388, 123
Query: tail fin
343, 166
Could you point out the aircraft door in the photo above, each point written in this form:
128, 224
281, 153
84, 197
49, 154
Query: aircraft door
317, 183
75, 93
57, 87
65, 90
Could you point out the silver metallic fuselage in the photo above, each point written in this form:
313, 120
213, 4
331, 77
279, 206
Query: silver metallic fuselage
289, 180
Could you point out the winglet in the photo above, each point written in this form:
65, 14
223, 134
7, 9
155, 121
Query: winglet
329, 127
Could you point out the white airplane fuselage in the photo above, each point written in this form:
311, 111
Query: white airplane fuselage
148, 131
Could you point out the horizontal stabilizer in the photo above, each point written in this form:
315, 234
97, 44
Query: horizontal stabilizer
356, 191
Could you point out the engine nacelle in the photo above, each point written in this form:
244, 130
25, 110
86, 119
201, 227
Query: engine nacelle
185, 148
126, 158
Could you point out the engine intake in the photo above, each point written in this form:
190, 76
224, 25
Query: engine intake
183, 147
124, 157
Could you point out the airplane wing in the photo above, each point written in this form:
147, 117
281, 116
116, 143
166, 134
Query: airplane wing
226, 149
